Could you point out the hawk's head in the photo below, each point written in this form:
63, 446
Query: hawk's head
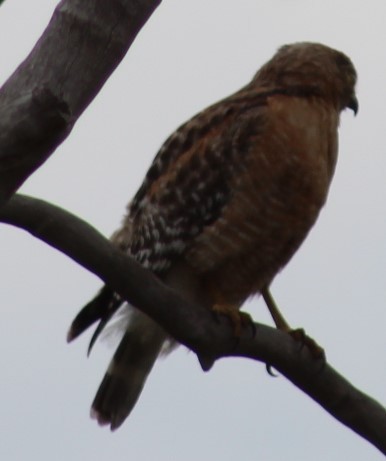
312, 69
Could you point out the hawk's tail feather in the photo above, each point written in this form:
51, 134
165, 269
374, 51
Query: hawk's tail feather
101, 307
128, 371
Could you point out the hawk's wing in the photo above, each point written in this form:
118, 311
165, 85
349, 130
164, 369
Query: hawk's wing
188, 183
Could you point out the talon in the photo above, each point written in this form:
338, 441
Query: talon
237, 318
300, 336
268, 367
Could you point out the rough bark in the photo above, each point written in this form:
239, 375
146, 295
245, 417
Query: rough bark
39, 104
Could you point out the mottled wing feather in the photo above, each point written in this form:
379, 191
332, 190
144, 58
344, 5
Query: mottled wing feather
195, 130
189, 182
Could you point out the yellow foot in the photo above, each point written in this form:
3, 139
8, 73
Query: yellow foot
299, 335
238, 319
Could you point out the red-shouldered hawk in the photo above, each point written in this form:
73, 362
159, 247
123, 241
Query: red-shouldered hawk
227, 201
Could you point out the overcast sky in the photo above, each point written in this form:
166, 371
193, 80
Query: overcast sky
190, 54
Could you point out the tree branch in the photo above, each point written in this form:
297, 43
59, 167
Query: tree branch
82, 45
194, 326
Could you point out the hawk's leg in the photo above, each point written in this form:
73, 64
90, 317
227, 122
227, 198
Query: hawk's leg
281, 324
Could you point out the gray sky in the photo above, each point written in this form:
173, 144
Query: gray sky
190, 54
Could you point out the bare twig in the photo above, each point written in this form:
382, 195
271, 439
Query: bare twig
82, 45
193, 325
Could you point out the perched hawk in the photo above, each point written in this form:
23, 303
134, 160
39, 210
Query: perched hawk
226, 203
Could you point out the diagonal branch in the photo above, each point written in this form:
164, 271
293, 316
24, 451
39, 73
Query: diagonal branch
193, 325
39, 104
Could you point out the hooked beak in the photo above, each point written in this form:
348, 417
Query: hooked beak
353, 104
